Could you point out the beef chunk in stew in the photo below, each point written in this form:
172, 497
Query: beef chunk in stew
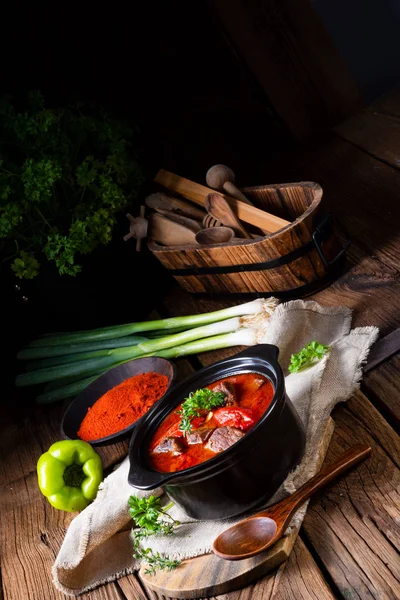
222, 438
199, 436
228, 389
258, 382
170, 444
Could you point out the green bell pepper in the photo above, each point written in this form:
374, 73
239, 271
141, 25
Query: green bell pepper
69, 474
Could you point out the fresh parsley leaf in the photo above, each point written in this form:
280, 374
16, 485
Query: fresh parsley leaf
307, 357
25, 266
151, 519
196, 404
155, 560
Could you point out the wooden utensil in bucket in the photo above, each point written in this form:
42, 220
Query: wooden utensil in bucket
218, 208
171, 232
214, 235
296, 261
221, 177
198, 193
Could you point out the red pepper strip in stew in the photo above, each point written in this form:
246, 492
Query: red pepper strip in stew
240, 418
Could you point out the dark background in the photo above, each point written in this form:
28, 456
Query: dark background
168, 68
366, 33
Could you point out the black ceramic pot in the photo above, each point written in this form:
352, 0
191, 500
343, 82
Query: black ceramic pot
245, 475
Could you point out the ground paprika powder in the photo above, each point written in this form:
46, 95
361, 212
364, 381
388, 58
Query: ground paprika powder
122, 405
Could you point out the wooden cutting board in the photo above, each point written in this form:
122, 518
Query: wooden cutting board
209, 575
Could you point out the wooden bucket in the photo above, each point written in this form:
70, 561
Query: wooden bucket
292, 262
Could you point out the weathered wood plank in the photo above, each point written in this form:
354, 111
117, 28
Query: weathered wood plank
354, 525
131, 588
302, 578
32, 532
384, 385
307, 82
383, 349
377, 129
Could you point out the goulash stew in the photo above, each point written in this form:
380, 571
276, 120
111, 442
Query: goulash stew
209, 421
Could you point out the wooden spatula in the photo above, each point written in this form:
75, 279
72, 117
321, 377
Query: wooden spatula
160, 200
218, 208
170, 233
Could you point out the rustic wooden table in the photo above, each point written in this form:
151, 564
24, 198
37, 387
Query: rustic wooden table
349, 544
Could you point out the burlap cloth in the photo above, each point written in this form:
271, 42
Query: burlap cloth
98, 548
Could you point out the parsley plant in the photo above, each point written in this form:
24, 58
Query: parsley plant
151, 519
65, 173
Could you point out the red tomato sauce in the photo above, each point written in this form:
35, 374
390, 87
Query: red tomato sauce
254, 394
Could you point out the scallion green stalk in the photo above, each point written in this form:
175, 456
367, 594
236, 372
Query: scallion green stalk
85, 362
32, 353
66, 391
113, 331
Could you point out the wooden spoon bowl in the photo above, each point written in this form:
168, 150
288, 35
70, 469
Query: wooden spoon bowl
214, 235
255, 534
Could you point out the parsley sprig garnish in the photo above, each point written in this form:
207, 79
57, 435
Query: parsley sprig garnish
307, 357
151, 519
196, 404
155, 560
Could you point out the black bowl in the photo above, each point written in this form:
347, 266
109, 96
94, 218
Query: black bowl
245, 475
76, 411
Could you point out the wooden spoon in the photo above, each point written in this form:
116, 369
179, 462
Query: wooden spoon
255, 534
218, 208
221, 177
214, 235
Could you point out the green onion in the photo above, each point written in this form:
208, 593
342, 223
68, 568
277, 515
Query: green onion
160, 332
242, 337
161, 324
85, 362
58, 383
33, 352
66, 391
70, 365
55, 361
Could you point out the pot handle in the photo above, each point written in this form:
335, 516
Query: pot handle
266, 351
147, 480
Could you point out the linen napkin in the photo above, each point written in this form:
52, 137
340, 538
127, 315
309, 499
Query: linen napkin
98, 546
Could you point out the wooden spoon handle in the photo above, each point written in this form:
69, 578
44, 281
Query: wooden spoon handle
345, 462
198, 193
219, 208
234, 192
